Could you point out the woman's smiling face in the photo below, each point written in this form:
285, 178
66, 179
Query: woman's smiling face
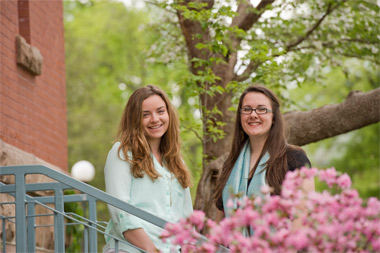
155, 119
253, 124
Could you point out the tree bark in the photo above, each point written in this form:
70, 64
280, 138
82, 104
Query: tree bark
358, 110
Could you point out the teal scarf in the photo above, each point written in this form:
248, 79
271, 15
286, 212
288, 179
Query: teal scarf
237, 182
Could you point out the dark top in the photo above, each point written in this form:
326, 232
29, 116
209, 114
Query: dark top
296, 159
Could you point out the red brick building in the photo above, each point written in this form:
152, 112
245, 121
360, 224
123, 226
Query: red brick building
33, 127
33, 106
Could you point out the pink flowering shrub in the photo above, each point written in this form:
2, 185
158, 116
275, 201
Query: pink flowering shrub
295, 220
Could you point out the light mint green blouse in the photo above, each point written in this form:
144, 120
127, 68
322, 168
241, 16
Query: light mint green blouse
164, 198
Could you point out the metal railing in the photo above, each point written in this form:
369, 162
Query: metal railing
25, 203
25, 206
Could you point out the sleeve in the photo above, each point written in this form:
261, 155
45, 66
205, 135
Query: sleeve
118, 180
188, 203
297, 158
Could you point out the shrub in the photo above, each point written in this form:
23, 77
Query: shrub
326, 222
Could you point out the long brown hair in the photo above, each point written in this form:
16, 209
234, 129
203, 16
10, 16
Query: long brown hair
276, 166
132, 138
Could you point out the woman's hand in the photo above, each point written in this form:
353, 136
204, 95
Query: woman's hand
139, 238
307, 186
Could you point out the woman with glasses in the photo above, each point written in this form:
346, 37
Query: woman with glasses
259, 154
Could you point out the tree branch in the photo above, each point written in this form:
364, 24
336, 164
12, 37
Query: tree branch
253, 65
329, 45
246, 18
195, 133
191, 29
358, 110
330, 8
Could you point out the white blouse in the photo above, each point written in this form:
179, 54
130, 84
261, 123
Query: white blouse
164, 197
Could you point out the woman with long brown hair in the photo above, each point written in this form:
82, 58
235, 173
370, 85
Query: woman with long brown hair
145, 169
259, 154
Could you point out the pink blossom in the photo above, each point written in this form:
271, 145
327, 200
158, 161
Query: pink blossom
247, 216
230, 203
165, 234
265, 189
197, 219
298, 240
280, 235
258, 201
373, 207
208, 247
272, 219
329, 223
328, 230
211, 224
376, 244
344, 181
309, 173
328, 176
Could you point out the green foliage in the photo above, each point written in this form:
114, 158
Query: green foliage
111, 51
101, 72
357, 152
359, 157
350, 29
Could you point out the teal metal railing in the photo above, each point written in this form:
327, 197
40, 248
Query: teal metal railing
25, 203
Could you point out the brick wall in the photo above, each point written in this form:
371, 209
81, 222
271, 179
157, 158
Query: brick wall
33, 107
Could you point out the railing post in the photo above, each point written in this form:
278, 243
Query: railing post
85, 239
59, 235
20, 212
30, 228
4, 234
92, 216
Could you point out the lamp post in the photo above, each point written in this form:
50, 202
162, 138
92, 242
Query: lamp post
85, 172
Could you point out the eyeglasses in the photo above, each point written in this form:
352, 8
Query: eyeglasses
249, 110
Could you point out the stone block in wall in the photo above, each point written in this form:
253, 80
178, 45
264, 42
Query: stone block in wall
28, 56
10, 227
10, 156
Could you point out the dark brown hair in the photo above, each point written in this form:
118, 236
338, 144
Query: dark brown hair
132, 138
275, 145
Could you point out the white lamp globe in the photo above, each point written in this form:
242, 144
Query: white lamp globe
83, 171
